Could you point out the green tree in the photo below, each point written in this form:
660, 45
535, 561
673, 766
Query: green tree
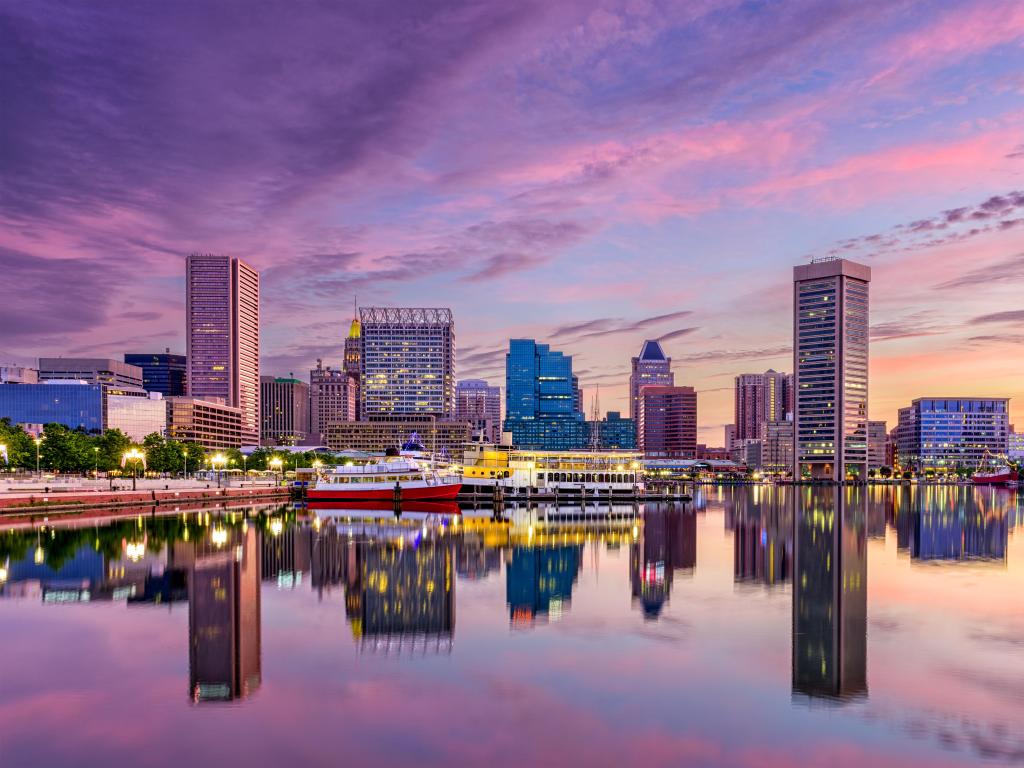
66, 450
112, 444
196, 455
885, 472
21, 451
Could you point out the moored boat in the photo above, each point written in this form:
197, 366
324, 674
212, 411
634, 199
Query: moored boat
393, 478
997, 476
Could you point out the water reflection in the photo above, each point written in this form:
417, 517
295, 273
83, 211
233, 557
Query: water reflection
830, 594
264, 590
666, 545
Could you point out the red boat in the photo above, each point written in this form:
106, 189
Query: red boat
387, 480
998, 476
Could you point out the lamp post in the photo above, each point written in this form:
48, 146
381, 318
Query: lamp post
96, 455
38, 441
276, 464
134, 456
3, 452
222, 460
245, 468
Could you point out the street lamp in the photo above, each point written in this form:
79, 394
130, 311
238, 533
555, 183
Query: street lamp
96, 452
134, 456
219, 458
276, 464
245, 467
38, 441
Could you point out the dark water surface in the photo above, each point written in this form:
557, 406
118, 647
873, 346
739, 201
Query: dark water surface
755, 627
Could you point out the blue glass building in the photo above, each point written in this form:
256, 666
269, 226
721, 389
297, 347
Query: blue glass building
73, 405
541, 409
161, 372
944, 434
614, 432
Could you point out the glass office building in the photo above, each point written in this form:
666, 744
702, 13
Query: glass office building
830, 349
614, 433
161, 372
72, 404
541, 408
943, 434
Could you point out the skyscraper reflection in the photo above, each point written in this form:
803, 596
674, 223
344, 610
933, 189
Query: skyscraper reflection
539, 581
830, 593
762, 523
665, 544
224, 615
399, 592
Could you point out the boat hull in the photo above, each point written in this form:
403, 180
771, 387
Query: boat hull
444, 492
995, 478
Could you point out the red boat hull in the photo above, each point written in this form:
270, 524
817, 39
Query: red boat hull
427, 493
993, 478
425, 507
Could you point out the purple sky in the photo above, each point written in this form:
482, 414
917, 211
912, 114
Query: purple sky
587, 173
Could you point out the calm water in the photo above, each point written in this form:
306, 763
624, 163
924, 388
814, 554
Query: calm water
756, 627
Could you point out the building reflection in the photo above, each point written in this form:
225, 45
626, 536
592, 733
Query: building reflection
224, 614
539, 581
287, 555
666, 544
944, 523
762, 524
830, 593
398, 592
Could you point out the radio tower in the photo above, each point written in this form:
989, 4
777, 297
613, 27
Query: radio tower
595, 420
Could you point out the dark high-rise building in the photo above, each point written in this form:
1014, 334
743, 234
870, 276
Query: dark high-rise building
650, 368
161, 371
830, 594
222, 319
541, 398
224, 616
668, 422
830, 351
285, 406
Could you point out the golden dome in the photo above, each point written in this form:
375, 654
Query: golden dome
355, 329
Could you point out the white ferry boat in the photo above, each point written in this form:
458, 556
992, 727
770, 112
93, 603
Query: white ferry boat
384, 480
519, 471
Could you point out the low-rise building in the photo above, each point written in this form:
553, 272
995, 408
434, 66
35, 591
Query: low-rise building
943, 434
94, 370
1015, 446
380, 433
878, 440
18, 374
137, 417
75, 404
211, 422
777, 449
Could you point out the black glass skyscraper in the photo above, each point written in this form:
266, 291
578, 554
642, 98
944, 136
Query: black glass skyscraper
161, 372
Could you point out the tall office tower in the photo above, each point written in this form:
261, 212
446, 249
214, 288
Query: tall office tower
224, 617
408, 362
285, 411
161, 371
830, 594
222, 319
759, 398
479, 403
353, 363
830, 355
109, 373
668, 422
651, 367
332, 400
540, 399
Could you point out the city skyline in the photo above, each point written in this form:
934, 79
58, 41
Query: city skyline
547, 173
